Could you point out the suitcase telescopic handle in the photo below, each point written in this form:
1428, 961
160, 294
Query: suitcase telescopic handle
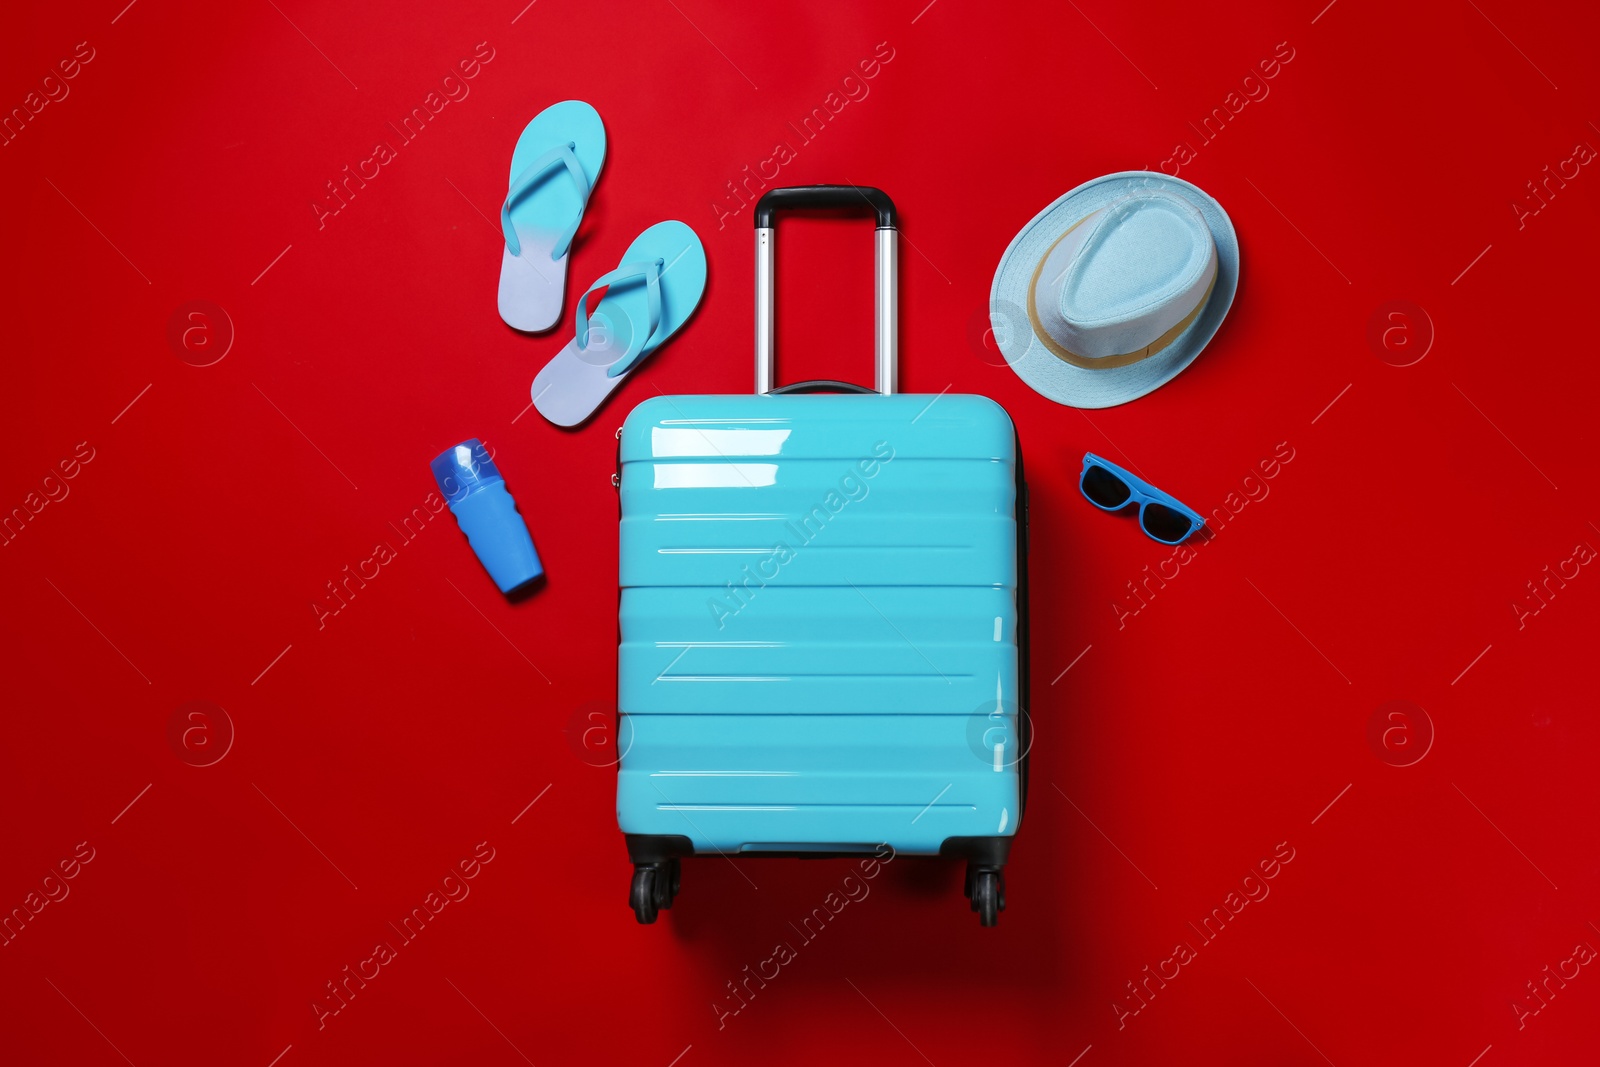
886, 277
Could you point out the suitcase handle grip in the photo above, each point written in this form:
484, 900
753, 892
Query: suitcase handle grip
886, 274
826, 196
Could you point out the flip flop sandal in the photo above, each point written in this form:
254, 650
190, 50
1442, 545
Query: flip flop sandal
647, 299
553, 171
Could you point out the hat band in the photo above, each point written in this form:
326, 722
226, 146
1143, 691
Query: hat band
1121, 359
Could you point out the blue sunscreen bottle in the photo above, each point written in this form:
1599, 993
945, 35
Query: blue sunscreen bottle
487, 514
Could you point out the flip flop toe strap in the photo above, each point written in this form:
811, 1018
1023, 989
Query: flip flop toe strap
627, 274
531, 175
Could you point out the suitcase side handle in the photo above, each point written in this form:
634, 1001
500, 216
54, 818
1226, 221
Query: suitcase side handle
886, 274
821, 385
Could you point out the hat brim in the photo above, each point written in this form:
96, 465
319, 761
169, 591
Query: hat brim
1080, 387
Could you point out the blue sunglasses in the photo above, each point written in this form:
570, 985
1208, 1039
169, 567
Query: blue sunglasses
1161, 516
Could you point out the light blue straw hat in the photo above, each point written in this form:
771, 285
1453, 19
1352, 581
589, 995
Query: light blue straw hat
1113, 289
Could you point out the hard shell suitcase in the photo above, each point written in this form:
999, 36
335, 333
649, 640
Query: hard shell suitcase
823, 614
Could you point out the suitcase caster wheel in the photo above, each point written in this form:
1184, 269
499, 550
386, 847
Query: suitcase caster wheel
643, 894
988, 896
667, 882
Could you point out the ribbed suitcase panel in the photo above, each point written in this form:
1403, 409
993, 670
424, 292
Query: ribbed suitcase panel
818, 427
733, 781
818, 522
862, 649
818, 620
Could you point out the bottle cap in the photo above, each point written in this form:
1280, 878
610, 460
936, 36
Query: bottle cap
463, 470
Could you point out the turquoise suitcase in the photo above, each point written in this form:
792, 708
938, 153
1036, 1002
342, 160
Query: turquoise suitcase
823, 640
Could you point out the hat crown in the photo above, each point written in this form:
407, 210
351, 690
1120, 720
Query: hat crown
1125, 275
1145, 254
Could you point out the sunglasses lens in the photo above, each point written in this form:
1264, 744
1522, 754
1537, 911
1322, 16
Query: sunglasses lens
1105, 488
1165, 524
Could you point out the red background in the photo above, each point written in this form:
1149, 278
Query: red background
1181, 748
